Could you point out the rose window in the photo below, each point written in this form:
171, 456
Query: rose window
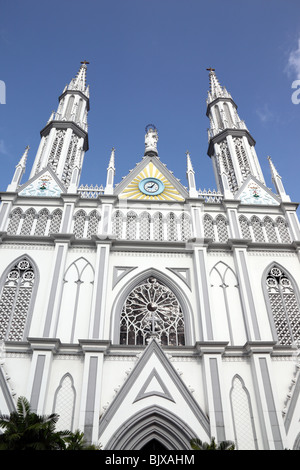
152, 309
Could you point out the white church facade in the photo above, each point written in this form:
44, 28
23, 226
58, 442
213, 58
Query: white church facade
146, 312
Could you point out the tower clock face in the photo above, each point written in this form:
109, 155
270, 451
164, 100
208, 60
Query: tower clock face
151, 186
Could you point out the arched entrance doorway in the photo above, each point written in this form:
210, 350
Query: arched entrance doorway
150, 428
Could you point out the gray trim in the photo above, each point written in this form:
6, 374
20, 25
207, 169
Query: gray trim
249, 295
66, 218
124, 270
178, 271
90, 398
143, 394
270, 404
99, 292
6, 393
37, 382
291, 410
218, 408
53, 291
3, 212
203, 280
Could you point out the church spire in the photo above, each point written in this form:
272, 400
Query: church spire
19, 171
190, 174
66, 131
109, 188
276, 178
231, 146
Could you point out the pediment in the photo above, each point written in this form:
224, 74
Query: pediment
153, 382
151, 181
254, 192
43, 184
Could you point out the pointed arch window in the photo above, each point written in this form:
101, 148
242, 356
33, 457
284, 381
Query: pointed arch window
131, 225
150, 309
93, 223
209, 227
270, 230
284, 303
257, 229
243, 420
244, 224
171, 227
228, 115
283, 230
158, 227
14, 221
15, 301
42, 219
55, 223
185, 227
69, 107
117, 224
79, 224
145, 226
28, 222
222, 229
64, 403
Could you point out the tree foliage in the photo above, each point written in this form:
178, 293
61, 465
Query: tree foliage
26, 430
197, 444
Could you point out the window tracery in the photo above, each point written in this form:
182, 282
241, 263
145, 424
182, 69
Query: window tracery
284, 305
15, 300
79, 224
152, 309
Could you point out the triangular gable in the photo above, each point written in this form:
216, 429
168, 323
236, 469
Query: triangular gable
43, 184
147, 171
153, 382
253, 191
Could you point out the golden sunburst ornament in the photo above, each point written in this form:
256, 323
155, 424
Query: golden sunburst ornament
151, 184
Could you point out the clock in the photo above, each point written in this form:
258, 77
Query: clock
151, 186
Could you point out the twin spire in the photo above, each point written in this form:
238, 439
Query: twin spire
73, 111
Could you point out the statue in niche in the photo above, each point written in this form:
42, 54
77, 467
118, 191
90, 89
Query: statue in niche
151, 139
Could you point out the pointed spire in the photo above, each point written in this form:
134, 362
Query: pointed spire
79, 82
109, 188
190, 174
19, 171
215, 89
276, 178
23, 159
111, 164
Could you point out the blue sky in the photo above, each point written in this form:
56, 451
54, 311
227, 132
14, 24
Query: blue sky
148, 63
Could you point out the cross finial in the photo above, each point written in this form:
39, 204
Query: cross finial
84, 62
210, 69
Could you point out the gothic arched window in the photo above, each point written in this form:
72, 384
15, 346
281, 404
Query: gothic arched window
208, 227
185, 227
40, 228
152, 308
244, 224
172, 227
284, 304
117, 224
158, 226
14, 221
222, 229
257, 229
55, 223
283, 230
93, 222
131, 226
79, 224
270, 230
28, 222
15, 300
145, 226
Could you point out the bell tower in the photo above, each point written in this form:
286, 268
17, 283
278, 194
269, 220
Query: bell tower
64, 139
230, 144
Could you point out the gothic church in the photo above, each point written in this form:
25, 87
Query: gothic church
143, 311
